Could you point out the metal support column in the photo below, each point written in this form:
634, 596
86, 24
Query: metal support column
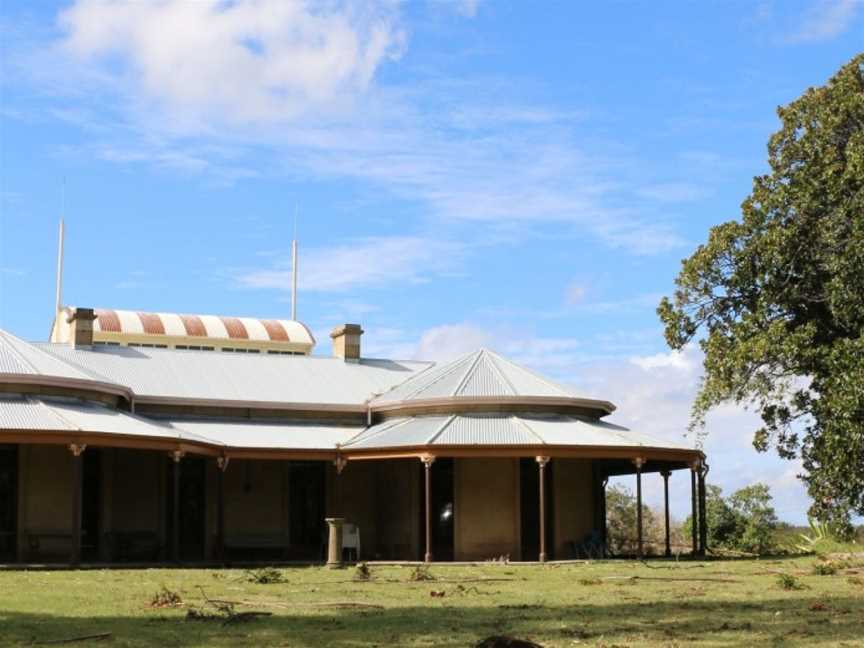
77, 451
703, 512
639, 549
665, 474
427, 469
541, 463
694, 512
176, 457
221, 467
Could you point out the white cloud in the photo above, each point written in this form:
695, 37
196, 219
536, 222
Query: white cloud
267, 60
826, 20
369, 262
279, 89
682, 360
449, 341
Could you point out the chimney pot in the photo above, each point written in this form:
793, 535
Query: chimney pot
80, 322
346, 342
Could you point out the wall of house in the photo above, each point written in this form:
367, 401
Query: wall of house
355, 495
44, 495
397, 500
135, 489
487, 517
255, 498
573, 503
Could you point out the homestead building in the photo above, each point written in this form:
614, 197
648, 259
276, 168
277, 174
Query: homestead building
137, 437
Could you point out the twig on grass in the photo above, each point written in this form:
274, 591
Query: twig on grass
286, 606
92, 637
673, 578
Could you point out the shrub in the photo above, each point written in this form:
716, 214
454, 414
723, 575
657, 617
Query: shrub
745, 521
165, 598
789, 582
421, 573
621, 520
362, 572
824, 569
264, 576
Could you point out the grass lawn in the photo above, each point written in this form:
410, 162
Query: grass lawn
607, 603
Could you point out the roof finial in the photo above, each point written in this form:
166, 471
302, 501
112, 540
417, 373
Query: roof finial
58, 298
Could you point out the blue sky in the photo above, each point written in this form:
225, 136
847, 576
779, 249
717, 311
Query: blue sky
525, 176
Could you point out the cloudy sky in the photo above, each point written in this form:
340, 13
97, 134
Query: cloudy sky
523, 176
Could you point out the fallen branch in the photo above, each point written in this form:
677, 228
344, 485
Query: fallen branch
286, 606
93, 637
683, 579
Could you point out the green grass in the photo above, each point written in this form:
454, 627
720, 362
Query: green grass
608, 603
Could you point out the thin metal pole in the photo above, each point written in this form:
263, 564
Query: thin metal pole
694, 515
541, 463
638, 463
665, 474
427, 465
77, 488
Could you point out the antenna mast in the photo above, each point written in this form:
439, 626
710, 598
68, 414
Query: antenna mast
294, 269
58, 300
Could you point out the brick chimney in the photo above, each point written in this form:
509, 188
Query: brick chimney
80, 322
346, 342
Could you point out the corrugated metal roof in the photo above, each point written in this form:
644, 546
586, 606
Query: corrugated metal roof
301, 436
68, 415
478, 429
502, 429
397, 432
576, 430
23, 413
239, 377
482, 373
20, 357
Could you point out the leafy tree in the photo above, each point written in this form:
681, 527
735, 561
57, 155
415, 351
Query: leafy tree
621, 520
745, 521
756, 520
777, 297
721, 520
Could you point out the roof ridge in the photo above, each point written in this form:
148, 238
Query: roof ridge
501, 374
360, 435
57, 415
10, 344
530, 429
479, 354
449, 369
440, 430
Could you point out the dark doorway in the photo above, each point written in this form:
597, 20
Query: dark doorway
91, 504
443, 509
306, 501
8, 501
529, 481
192, 501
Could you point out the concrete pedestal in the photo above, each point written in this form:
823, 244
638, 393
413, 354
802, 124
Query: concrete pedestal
334, 543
